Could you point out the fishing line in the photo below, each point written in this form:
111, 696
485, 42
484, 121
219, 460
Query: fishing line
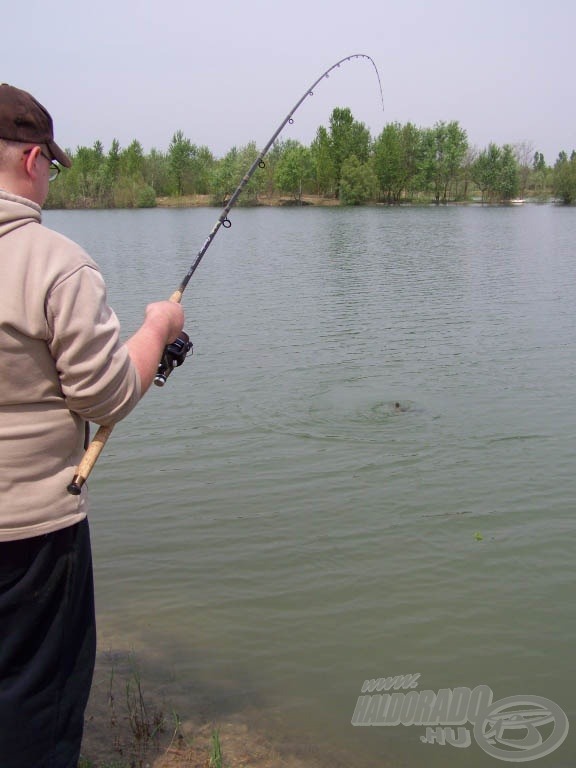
175, 353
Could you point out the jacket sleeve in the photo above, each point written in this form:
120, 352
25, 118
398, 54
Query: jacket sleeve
98, 379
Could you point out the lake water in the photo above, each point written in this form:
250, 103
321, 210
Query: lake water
276, 530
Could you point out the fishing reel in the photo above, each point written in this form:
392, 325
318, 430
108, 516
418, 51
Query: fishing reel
173, 357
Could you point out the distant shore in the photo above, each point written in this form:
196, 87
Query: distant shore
284, 201
203, 201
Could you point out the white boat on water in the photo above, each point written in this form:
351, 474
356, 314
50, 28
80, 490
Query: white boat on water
517, 201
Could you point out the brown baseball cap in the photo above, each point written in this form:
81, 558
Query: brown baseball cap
24, 119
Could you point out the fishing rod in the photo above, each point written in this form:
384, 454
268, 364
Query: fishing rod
176, 352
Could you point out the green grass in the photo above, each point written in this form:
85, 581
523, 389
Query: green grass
216, 751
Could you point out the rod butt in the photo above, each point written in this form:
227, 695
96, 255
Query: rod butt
75, 487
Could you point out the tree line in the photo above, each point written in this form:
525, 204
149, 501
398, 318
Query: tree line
404, 163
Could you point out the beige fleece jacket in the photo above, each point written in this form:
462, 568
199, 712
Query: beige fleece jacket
61, 364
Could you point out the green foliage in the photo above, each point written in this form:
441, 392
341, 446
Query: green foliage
124, 193
293, 169
539, 163
485, 170
227, 173
408, 159
179, 161
396, 156
347, 138
495, 171
131, 161
202, 164
389, 164
273, 157
222, 182
216, 759
146, 197
564, 178
157, 173
404, 162
112, 163
508, 180
322, 162
443, 149
358, 182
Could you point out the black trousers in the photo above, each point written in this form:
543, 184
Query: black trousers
47, 647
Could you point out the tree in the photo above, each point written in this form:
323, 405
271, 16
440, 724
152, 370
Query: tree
396, 154
273, 158
347, 137
245, 158
293, 169
443, 149
156, 172
564, 178
524, 152
227, 174
389, 164
466, 170
495, 171
484, 171
201, 163
179, 155
322, 162
539, 164
540, 172
132, 161
223, 177
358, 182
508, 178
86, 182
127, 191
112, 163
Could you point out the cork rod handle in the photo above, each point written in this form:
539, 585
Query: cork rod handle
88, 460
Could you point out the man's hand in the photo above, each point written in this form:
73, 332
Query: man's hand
162, 323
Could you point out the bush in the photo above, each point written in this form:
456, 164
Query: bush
146, 197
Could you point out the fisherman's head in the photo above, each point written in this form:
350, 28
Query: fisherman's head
29, 156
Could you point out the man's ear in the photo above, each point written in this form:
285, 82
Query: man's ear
31, 163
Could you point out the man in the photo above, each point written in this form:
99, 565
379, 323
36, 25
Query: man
62, 364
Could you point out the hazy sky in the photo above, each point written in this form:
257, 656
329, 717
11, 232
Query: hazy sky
226, 73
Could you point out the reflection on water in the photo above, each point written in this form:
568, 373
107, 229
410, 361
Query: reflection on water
272, 521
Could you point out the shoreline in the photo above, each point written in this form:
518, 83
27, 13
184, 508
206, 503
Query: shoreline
319, 201
140, 714
276, 201
315, 201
